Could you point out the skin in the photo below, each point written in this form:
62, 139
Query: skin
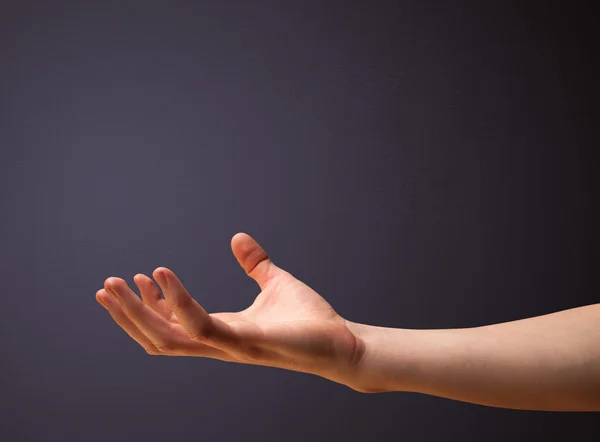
549, 362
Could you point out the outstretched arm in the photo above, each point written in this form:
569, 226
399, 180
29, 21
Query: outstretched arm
549, 362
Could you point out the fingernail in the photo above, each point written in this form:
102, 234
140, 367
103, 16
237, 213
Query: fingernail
103, 303
112, 293
165, 280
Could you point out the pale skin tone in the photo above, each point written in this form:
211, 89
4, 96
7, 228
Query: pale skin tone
549, 362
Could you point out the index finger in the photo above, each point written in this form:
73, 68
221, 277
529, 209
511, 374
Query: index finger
198, 324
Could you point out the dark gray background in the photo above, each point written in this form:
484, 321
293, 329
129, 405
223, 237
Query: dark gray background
420, 166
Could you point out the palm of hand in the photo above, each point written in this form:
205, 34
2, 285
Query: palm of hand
294, 327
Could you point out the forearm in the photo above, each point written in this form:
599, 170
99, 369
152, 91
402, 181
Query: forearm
549, 362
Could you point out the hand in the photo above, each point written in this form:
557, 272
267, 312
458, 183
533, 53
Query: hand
289, 325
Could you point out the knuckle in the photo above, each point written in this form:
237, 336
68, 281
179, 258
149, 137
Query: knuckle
153, 351
261, 264
181, 303
254, 353
201, 333
166, 346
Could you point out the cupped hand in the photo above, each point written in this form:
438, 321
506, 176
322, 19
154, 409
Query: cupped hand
288, 325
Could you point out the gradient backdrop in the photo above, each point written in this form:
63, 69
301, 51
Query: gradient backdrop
420, 166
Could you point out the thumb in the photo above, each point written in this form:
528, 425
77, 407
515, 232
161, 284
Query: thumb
253, 259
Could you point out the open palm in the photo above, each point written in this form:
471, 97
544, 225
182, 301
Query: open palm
289, 325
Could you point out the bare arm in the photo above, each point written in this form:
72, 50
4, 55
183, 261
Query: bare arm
549, 362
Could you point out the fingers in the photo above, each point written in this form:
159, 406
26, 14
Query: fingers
191, 349
162, 334
253, 259
145, 318
152, 297
198, 324
196, 334
110, 304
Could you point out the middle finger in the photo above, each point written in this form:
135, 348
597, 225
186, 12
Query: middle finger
152, 296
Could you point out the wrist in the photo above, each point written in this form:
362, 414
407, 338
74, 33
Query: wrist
381, 363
